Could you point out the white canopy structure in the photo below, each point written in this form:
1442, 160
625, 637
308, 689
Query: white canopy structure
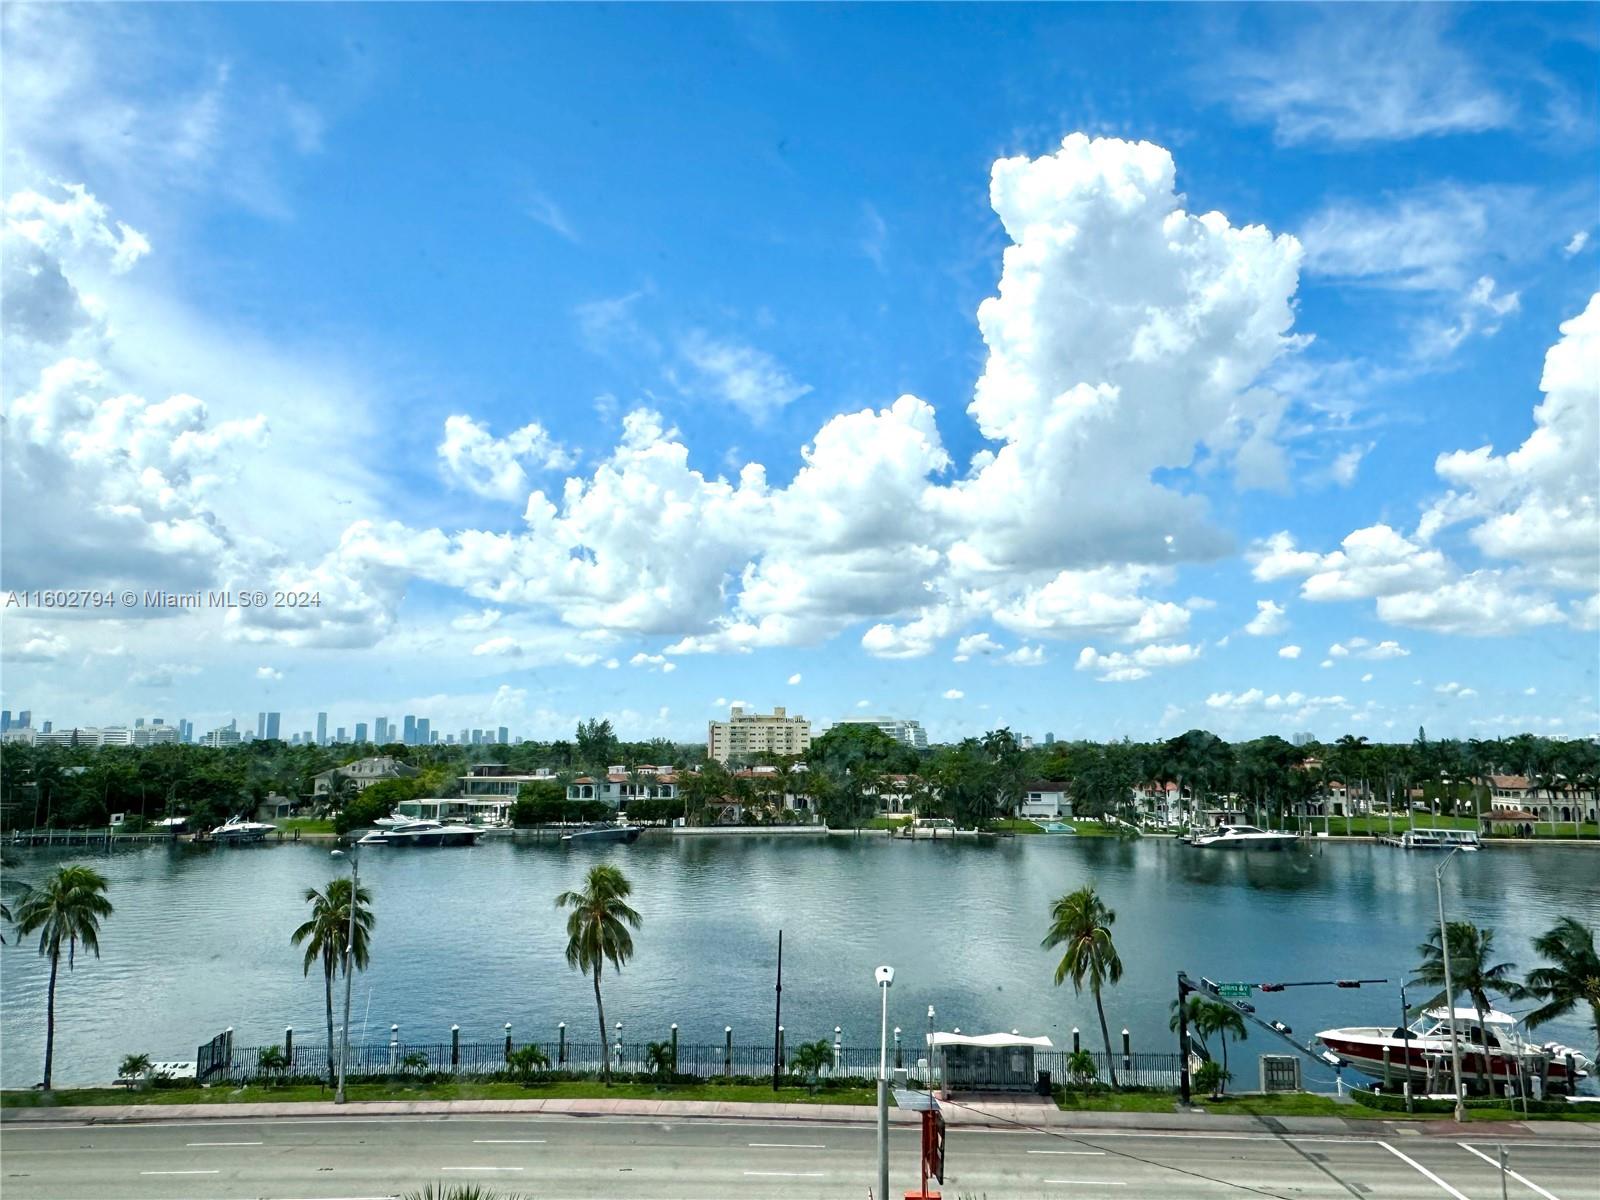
994, 1040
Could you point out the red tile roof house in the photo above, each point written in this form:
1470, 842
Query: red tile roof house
1517, 800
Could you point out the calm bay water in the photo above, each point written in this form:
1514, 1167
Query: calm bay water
200, 939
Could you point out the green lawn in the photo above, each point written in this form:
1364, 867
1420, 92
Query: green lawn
1373, 826
1085, 828
304, 825
255, 1094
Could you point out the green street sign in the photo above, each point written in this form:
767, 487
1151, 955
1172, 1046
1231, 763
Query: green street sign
1235, 991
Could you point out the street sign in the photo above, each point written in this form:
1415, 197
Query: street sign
1235, 991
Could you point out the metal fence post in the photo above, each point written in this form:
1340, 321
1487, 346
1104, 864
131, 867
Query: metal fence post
727, 1049
780, 1048
838, 1047
1127, 1057
674, 1047
508, 1040
288, 1045
561, 1044
228, 1033
899, 1056
394, 1046
1076, 1040
455, 1047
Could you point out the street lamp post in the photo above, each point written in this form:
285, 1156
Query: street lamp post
885, 977
1449, 987
349, 955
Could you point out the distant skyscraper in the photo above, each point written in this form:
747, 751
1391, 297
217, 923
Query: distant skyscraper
1302, 739
380, 731
1049, 739
410, 737
504, 735
5, 720
185, 730
261, 724
361, 731
25, 719
47, 725
466, 736
272, 725
322, 729
339, 736
422, 731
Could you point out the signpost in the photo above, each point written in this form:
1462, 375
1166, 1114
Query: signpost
1235, 991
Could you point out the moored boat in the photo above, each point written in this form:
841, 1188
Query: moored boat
604, 833
1435, 839
423, 833
1242, 837
1420, 1052
237, 829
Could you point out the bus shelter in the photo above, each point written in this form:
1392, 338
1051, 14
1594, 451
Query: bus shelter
988, 1062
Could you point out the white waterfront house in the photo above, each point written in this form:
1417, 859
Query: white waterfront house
619, 785
1046, 798
497, 779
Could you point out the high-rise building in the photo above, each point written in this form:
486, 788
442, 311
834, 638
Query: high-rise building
185, 730
465, 736
25, 719
261, 725
338, 735
906, 732
380, 731
272, 725
361, 732
5, 720
422, 731
410, 735
1049, 739
138, 722
1304, 739
47, 725
322, 729
744, 734
503, 735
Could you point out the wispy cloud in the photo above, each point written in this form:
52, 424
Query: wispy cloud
1352, 75
549, 214
749, 379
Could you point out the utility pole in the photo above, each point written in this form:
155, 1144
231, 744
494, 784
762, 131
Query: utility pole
1449, 989
1183, 1038
777, 1021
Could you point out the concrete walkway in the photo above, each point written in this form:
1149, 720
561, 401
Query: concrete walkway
981, 1113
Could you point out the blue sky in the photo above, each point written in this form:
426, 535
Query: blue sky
416, 263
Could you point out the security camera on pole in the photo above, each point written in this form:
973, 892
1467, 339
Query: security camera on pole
885, 977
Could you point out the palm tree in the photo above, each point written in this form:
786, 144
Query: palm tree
1081, 922
597, 930
1222, 1020
66, 907
325, 935
1471, 971
810, 1059
1575, 978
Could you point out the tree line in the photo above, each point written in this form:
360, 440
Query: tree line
973, 781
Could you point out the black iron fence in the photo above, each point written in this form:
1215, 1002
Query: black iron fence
698, 1061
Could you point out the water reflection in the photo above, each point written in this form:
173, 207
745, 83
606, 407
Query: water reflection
471, 936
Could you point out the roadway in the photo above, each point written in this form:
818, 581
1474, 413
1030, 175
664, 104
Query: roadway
574, 1158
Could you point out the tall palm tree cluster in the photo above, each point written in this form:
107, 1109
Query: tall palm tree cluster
1080, 926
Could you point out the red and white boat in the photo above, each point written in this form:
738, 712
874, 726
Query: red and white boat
1422, 1051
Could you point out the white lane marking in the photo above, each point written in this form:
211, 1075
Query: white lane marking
788, 1146
790, 1174
1523, 1180
1066, 1151
480, 1168
508, 1141
177, 1172
222, 1143
1413, 1163
1090, 1182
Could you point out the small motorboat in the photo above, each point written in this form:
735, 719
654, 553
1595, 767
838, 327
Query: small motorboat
604, 833
423, 833
1437, 839
1242, 837
1421, 1051
237, 829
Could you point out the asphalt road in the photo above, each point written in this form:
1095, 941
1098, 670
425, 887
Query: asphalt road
554, 1158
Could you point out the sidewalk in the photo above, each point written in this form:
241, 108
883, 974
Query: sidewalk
989, 1114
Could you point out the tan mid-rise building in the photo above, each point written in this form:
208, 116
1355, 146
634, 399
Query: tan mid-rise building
746, 733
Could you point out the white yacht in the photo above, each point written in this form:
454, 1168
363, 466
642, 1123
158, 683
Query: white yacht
237, 829
1422, 1049
1242, 837
423, 833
